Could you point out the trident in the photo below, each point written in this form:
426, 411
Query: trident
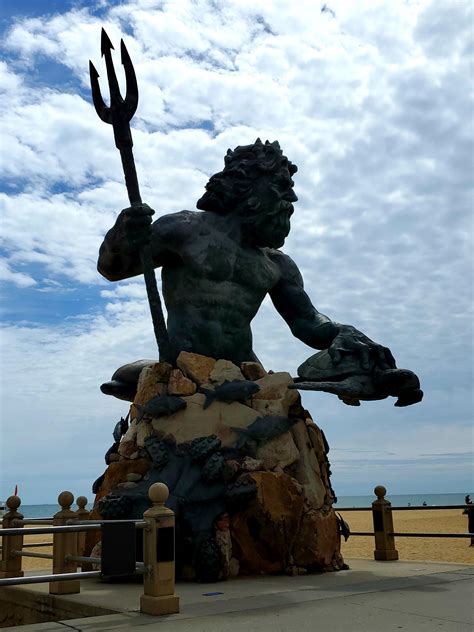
119, 115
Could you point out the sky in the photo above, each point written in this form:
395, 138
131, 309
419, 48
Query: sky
372, 100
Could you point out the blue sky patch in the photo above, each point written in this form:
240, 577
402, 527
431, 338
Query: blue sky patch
48, 303
12, 10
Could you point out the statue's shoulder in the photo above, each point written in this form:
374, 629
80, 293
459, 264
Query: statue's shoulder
286, 266
275, 255
181, 218
283, 261
180, 224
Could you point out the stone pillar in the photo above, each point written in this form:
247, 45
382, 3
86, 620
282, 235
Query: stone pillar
64, 544
383, 526
158, 555
11, 564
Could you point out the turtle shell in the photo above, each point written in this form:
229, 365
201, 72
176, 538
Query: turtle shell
320, 367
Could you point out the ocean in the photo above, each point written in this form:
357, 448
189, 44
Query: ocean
403, 500
397, 500
43, 511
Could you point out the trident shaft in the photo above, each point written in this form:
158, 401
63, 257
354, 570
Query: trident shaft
119, 114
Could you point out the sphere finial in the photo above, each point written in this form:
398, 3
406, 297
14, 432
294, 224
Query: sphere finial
81, 502
380, 492
65, 500
158, 493
13, 502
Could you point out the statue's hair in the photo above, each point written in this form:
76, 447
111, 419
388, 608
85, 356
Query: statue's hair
234, 184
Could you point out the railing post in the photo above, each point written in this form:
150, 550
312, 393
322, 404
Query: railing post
158, 555
11, 564
64, 544
81, 514
383, 526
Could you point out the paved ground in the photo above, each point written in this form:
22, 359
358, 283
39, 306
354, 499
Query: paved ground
371, 597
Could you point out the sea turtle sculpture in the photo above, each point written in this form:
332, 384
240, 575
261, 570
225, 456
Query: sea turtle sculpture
352, 383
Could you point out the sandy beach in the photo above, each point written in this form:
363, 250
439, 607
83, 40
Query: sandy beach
423, 549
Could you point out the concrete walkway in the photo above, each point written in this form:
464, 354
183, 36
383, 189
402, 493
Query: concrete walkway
372, 596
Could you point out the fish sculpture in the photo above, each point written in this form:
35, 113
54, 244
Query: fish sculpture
160, 406
120, 429
235, 391
97, 483
112, 450
263, 429
344, 527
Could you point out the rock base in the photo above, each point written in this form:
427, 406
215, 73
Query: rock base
249, 478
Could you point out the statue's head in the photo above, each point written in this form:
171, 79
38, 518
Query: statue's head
255, 184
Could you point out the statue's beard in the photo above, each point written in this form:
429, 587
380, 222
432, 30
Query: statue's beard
268, 230
270, 239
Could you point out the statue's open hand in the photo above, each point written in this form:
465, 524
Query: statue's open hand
135, 223
350, 340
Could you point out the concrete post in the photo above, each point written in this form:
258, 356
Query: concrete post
81, 514
11, 564
158, 555
64, 544
383, 526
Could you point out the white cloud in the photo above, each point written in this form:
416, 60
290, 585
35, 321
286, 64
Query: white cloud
371, 103
18, 278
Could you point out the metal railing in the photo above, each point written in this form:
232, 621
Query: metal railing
384, 532
118, 550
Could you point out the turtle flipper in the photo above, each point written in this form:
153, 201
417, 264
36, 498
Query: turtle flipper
344, 389
407, 398
350, 401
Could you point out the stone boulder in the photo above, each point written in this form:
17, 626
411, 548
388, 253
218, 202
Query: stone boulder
274, 397
252, 370
264, 503
195, 421
318, 542
264, 533
278, 452
307, 470
180, 385
225, 371
195, 366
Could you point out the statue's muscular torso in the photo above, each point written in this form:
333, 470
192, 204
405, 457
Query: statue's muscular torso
212, 284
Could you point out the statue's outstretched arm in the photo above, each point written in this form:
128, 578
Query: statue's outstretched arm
294, 305
315, 329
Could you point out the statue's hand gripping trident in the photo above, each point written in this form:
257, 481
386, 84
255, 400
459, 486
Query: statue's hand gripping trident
119, 114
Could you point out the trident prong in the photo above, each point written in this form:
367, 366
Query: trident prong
120, 111
131, 97
102, 110
118, 114
127, 106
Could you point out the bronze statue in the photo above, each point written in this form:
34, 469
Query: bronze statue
218, 265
